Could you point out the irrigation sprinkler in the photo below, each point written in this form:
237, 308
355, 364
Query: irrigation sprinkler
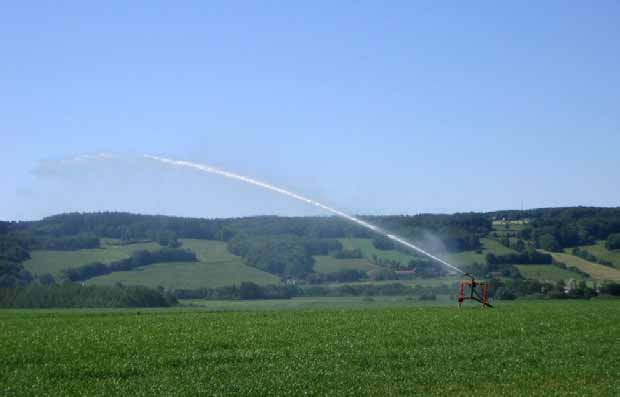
478, 291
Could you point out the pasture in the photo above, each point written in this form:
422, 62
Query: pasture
524, 348
470, 257
329, 264
368, 250
547, 273
459, 259
601, 252
502, 228
596, 271
49, 261
216, 267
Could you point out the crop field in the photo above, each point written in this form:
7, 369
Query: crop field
521, 348
547, 273
596, 271
47, 261
328, 264
601, 252
216, 267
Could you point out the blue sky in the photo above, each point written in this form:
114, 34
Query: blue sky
373, 107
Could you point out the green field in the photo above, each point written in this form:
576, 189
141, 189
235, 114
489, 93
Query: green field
46, 261
328, 264
547, 273
470, 257
521, 348
596, 271
505, 227
216, 268
601, 252
459, 259
365, 245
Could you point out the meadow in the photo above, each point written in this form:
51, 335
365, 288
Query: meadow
601, 252
49, 261
329, 264
547, 273
595, 270
216, 267
470, 257
502, 228
520, 348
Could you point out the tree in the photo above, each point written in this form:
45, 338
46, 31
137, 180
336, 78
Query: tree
13, 274
505, 293
611, 289
381, 242
613, 241
250, 290
519, 245
47, 279
549, 243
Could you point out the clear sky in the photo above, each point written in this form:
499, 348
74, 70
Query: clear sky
373, 107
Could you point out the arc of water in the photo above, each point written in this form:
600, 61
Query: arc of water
217, 171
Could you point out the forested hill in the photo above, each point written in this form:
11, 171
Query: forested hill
75, 229
283, 246
557, 228
551, 228
305, 250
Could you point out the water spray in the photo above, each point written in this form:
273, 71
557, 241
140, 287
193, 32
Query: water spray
217, 171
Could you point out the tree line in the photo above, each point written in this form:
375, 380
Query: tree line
13, 251
459, 231
74, 295
527, 257
65, 243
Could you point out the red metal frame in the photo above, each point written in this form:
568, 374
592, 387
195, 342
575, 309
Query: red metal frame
480, 294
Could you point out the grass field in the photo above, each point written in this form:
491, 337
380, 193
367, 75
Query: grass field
216, 267
547, 273
601, 252
504, 227
524, 348
460, 258
328, 264
596, 271
46, 261
469, 257
365, 245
